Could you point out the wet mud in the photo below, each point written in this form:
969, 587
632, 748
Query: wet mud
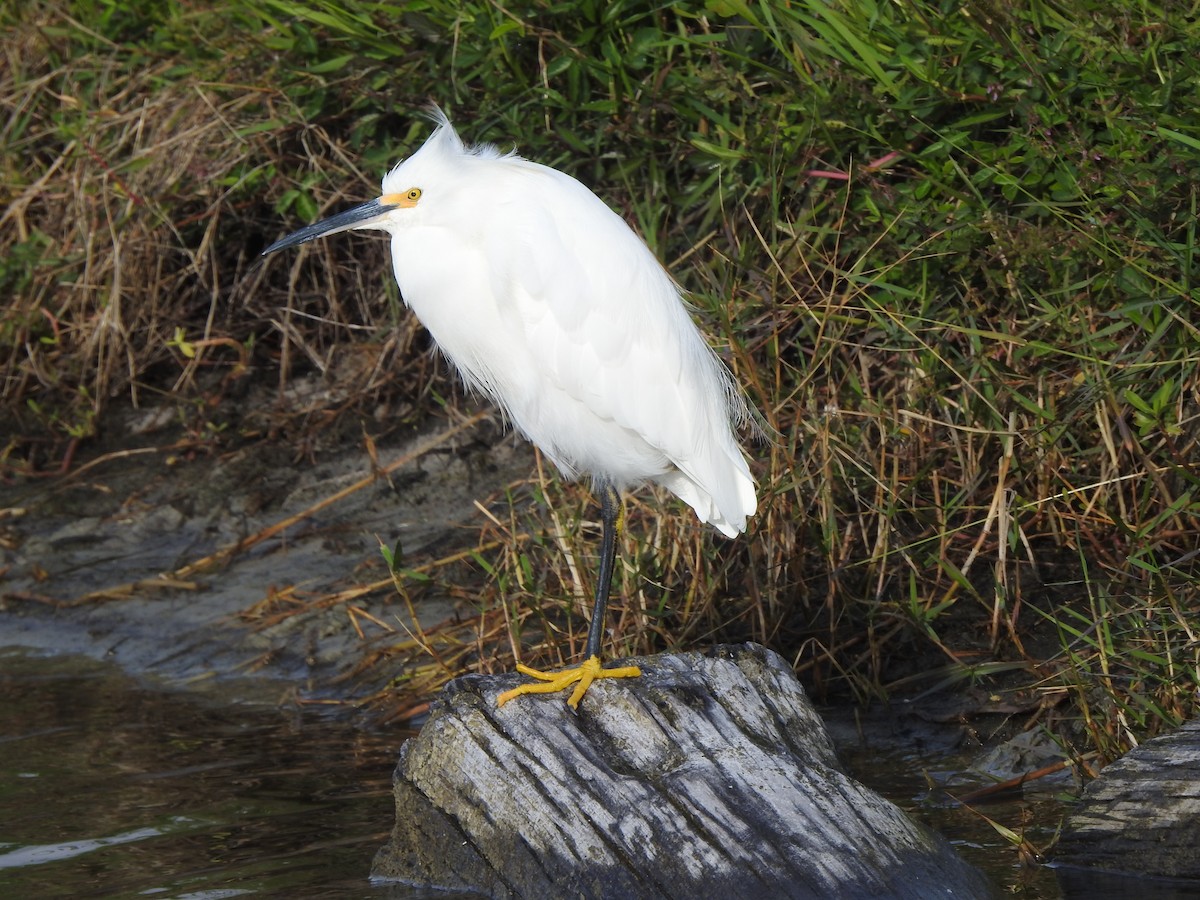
89, 560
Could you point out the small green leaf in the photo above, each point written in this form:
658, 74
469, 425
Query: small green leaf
717, 150
331, 65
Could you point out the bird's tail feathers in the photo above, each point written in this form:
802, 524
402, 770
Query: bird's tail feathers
726, 509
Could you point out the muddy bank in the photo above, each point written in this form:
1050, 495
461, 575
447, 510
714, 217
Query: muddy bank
83, 555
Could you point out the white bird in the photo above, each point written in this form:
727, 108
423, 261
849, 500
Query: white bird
545, 300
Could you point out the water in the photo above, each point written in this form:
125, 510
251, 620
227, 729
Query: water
923, 785
110, 788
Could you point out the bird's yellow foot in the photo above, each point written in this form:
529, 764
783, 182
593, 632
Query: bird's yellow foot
581, 676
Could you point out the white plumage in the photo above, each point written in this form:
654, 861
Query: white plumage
547, 301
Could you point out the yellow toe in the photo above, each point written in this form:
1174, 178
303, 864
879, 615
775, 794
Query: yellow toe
581, 676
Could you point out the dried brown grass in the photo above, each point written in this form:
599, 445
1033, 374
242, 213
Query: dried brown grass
131, 239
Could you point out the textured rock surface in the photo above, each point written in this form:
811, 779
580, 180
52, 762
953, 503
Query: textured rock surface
1142, 815
711, 775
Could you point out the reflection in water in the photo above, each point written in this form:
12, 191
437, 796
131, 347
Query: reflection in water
923, 785
38, 854
108, 789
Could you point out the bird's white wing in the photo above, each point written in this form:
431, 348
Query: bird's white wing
640, 394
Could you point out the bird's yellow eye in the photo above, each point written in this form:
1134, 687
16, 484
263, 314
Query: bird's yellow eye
406, 199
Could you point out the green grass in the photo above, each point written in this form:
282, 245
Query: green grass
949, 250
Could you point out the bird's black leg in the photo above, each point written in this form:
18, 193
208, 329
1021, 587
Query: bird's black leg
612, 517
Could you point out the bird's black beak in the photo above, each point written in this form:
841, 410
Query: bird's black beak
360, 216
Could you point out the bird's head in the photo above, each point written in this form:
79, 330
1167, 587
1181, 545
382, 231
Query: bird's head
404, 188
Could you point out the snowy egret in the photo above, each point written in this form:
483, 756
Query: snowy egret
546, 301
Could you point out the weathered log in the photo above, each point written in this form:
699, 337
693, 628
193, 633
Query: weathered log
709, 776
1142, 814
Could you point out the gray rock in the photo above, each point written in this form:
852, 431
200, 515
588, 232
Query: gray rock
1142, 815
709, 776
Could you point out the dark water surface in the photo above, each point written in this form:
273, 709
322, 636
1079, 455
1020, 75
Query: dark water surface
110, 788
924, 783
